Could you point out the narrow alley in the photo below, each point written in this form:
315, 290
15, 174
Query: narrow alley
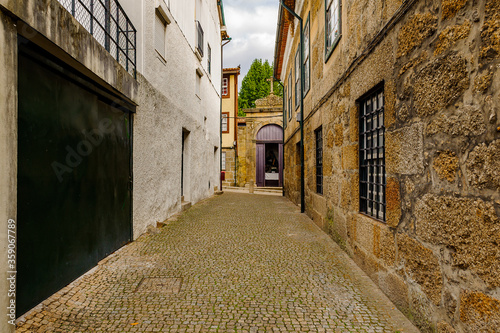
232, 263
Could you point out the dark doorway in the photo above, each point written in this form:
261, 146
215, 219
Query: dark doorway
184, 162
269, 156
74, 175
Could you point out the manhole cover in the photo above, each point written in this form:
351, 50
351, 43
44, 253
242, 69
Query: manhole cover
160, 285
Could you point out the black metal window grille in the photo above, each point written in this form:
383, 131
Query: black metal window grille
319, 160
372, 176
199, 38
107, 22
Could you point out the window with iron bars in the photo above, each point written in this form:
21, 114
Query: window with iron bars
199, 38
319, 160
108, 23
372, 177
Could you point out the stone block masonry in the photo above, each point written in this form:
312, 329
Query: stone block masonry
436, 252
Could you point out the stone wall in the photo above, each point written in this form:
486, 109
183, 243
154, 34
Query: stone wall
268, 110
437, 254
230, 169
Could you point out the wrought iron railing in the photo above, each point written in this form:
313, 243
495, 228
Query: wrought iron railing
107, 22
199, 39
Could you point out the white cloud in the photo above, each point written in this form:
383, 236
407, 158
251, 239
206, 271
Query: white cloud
252, 27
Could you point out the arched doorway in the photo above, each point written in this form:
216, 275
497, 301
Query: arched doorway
269, 156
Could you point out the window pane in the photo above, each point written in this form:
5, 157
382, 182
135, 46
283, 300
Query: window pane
372, 164
160, 27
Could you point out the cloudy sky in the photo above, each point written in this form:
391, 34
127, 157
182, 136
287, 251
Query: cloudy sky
252, 26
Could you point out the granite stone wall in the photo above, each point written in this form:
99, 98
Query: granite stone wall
437, 254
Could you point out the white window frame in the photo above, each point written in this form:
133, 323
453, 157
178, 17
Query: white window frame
333, 25
161, 17
223, 161
307, 62
297, 78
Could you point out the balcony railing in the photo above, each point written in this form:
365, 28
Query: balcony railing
107, 22
199, 38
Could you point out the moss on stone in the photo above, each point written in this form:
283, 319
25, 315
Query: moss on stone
483, 166
471, 228
466, 121
449, 36
480, 312
483, 82
422, 266
490, 32
446, 165
439, 84
451, 8
416, 30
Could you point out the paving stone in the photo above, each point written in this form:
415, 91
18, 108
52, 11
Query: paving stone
233, 263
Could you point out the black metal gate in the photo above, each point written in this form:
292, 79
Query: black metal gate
74, 175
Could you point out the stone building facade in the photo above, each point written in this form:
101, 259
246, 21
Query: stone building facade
268, 112
229, 128
402, 146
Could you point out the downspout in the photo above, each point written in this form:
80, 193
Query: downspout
284, 121
228, 39
301, 121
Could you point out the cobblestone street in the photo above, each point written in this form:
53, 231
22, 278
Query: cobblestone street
232, 263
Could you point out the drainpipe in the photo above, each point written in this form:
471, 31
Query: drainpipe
301, 120
284, 120
227, 39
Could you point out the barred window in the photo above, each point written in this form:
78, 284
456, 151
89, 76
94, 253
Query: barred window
319, 160
223, 160
372, 175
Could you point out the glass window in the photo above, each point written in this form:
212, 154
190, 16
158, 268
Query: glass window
160, 29
225, 86
290, 90
209, 59
319, 160
307, 62
223, 160
372, 177
297, 78
333, 25
225, 118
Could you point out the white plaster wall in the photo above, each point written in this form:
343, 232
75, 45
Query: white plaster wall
167, 105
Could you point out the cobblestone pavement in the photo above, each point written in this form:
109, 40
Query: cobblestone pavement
233, 263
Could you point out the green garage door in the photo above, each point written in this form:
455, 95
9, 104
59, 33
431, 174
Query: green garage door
74, 175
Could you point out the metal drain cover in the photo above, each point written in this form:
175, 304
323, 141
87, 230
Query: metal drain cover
160, 285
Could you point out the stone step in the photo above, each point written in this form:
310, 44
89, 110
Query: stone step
185, 205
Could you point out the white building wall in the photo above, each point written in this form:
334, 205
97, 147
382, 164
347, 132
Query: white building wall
168, 104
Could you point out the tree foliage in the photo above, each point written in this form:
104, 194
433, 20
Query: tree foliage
255, 85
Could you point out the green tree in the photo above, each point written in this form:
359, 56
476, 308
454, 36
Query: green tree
255, 85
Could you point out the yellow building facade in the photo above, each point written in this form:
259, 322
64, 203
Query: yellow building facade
229, 125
